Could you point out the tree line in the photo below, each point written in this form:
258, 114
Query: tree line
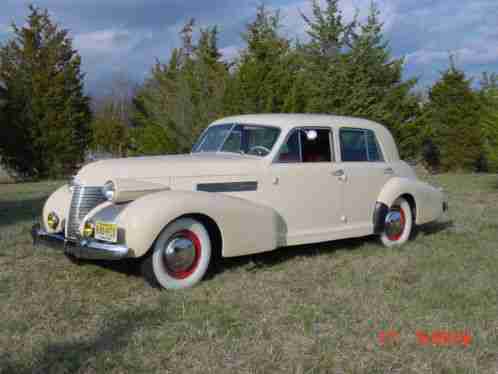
343, 68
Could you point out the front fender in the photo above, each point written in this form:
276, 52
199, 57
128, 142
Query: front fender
245, 227
59, 203
428, 199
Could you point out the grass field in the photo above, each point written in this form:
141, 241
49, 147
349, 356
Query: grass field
309, 309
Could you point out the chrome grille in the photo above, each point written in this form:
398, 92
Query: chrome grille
83, 201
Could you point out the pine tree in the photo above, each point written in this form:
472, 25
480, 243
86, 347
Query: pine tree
181, 97
351, 71
489, 122
45, 130
324, 56
266, 72
377, 90
453, 115
112, 117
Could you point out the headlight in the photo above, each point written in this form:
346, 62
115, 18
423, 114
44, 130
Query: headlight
109, 190
52, 221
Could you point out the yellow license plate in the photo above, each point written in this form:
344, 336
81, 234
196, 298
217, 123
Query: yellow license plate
106, 231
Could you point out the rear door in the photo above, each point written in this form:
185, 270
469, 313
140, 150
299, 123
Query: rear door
366, 173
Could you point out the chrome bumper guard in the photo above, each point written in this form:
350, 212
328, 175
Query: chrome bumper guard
84, 249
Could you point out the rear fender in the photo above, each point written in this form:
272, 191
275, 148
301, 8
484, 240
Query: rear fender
428, 199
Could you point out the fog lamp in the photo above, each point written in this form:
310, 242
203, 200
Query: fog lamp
88, 229
52, 220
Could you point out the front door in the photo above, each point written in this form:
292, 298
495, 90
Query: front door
302, 186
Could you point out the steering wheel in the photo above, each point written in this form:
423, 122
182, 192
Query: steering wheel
259, 150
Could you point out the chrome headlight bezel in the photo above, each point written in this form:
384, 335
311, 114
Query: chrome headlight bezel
109, 190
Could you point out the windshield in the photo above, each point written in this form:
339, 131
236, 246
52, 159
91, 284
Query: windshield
245, 139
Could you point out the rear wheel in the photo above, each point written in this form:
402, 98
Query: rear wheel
181, 255
398, 224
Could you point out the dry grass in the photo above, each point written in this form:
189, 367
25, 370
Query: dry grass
310, 309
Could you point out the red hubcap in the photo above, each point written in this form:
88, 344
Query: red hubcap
181, 254
395, 224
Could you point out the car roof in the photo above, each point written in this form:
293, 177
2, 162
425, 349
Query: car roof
288, 121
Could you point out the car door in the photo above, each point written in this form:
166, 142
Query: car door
303, 189
366, 172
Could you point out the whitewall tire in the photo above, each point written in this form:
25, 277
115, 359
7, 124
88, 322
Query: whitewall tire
398, 224
180, 256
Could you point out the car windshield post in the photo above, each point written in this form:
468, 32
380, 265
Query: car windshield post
226, 137
198, 147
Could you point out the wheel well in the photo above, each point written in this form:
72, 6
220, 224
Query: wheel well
213, 230
413, 205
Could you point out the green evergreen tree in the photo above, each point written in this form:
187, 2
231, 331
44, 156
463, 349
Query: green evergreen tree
325, 58
45, 130
489, 122
109, 131
453, 117
351, 70
377, 90
181, 97
266, 72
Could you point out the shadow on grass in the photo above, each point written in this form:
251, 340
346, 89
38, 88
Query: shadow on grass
284, 254
69, 356
281, 255
130, 267
13, 212
258, 261
432, 228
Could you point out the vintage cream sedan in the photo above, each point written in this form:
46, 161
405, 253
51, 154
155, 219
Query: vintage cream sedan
251, 184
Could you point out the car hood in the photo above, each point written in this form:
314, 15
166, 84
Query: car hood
161, 168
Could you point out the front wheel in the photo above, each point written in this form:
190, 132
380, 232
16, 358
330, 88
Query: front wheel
398, 224
180, 257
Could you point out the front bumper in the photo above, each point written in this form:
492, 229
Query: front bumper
84, 249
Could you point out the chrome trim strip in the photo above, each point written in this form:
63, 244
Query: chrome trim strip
228, 187
85, 249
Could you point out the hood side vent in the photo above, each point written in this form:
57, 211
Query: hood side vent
228, 187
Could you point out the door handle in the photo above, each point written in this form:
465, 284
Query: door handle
340, 175
388, 171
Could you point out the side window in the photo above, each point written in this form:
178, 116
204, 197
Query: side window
373, 149
315, 145
359, 145
353, 145
307, 145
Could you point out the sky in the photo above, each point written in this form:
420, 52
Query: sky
126, 37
